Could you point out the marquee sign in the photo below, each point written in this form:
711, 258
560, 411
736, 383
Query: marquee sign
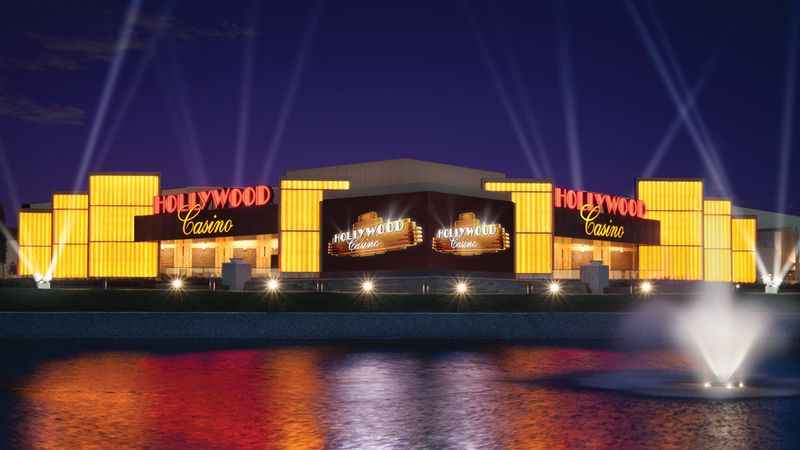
610, 204
371, 235
207, 223
469, 237
212, 199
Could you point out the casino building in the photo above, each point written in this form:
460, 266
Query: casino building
399, 218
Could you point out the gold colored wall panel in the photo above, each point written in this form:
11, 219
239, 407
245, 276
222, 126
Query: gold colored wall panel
35, 228
300, 223
70, 201
114, 223
300, 251
717, 240
33, 260
70, 226
717, 264
123, 259
123, 189
533, 223
743, 244
114, 200
678, 206
70, 260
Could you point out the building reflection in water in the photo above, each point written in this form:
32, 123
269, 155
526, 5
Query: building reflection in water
311, 397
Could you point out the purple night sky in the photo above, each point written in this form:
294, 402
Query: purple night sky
306, 83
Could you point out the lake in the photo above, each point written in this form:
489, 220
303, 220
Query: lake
168, 395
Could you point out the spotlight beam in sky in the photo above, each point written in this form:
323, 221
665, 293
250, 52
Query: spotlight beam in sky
694, 113
243, 127
568, 95
187, 132
131, 16
527, 111
8, 178
680, 117
291, 92
675, 96
505, 98
138, 76
787, 125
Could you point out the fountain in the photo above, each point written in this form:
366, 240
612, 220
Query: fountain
722, 338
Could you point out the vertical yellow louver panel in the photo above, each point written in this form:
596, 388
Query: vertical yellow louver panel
743, 246
35, 239
533, 223
678, 206
717, 240
114, 200
300, 223
70, 235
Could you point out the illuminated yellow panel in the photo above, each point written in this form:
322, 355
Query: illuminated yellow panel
533, 223
717, 240
300, 251
70, 226
300, 210
70, 260
679, 227
114, 200
70, 201
300, 222
115, 223
670, 262
744, 267
324, 185
717, 207
671, 195
534, 253
517, 186
33, 260
743, 244
678, 206
743, 233
35, 228
123, 259
717, 264
123, 189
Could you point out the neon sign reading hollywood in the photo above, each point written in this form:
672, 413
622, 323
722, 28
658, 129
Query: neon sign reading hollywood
371, 235
217, 198
468, 237
611, 204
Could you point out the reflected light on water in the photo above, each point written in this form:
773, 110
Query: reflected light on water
351, 396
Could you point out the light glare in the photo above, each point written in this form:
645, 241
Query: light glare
176, 284
554, 288
273, 285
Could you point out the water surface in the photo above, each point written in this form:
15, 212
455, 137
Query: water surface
168, 395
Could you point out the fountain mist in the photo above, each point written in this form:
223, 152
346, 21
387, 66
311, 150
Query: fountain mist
721, 335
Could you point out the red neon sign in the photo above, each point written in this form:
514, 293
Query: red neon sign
612, 204
219, 198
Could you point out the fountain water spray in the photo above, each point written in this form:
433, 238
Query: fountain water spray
722, 335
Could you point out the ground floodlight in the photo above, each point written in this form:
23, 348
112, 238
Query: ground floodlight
367, 286
176, 284
554, 288
273, 285
462, 288
646, 287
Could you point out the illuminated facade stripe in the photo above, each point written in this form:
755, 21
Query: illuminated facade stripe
114, 199
300, 223
717, 257
70, 235
533, 223
743, 246
678, 206
35, 239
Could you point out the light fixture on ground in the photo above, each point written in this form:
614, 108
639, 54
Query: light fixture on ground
554, 288
462, 288
273, 285
367, 286
646, 287
176, 284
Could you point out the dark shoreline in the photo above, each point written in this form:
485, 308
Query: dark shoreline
327, 327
